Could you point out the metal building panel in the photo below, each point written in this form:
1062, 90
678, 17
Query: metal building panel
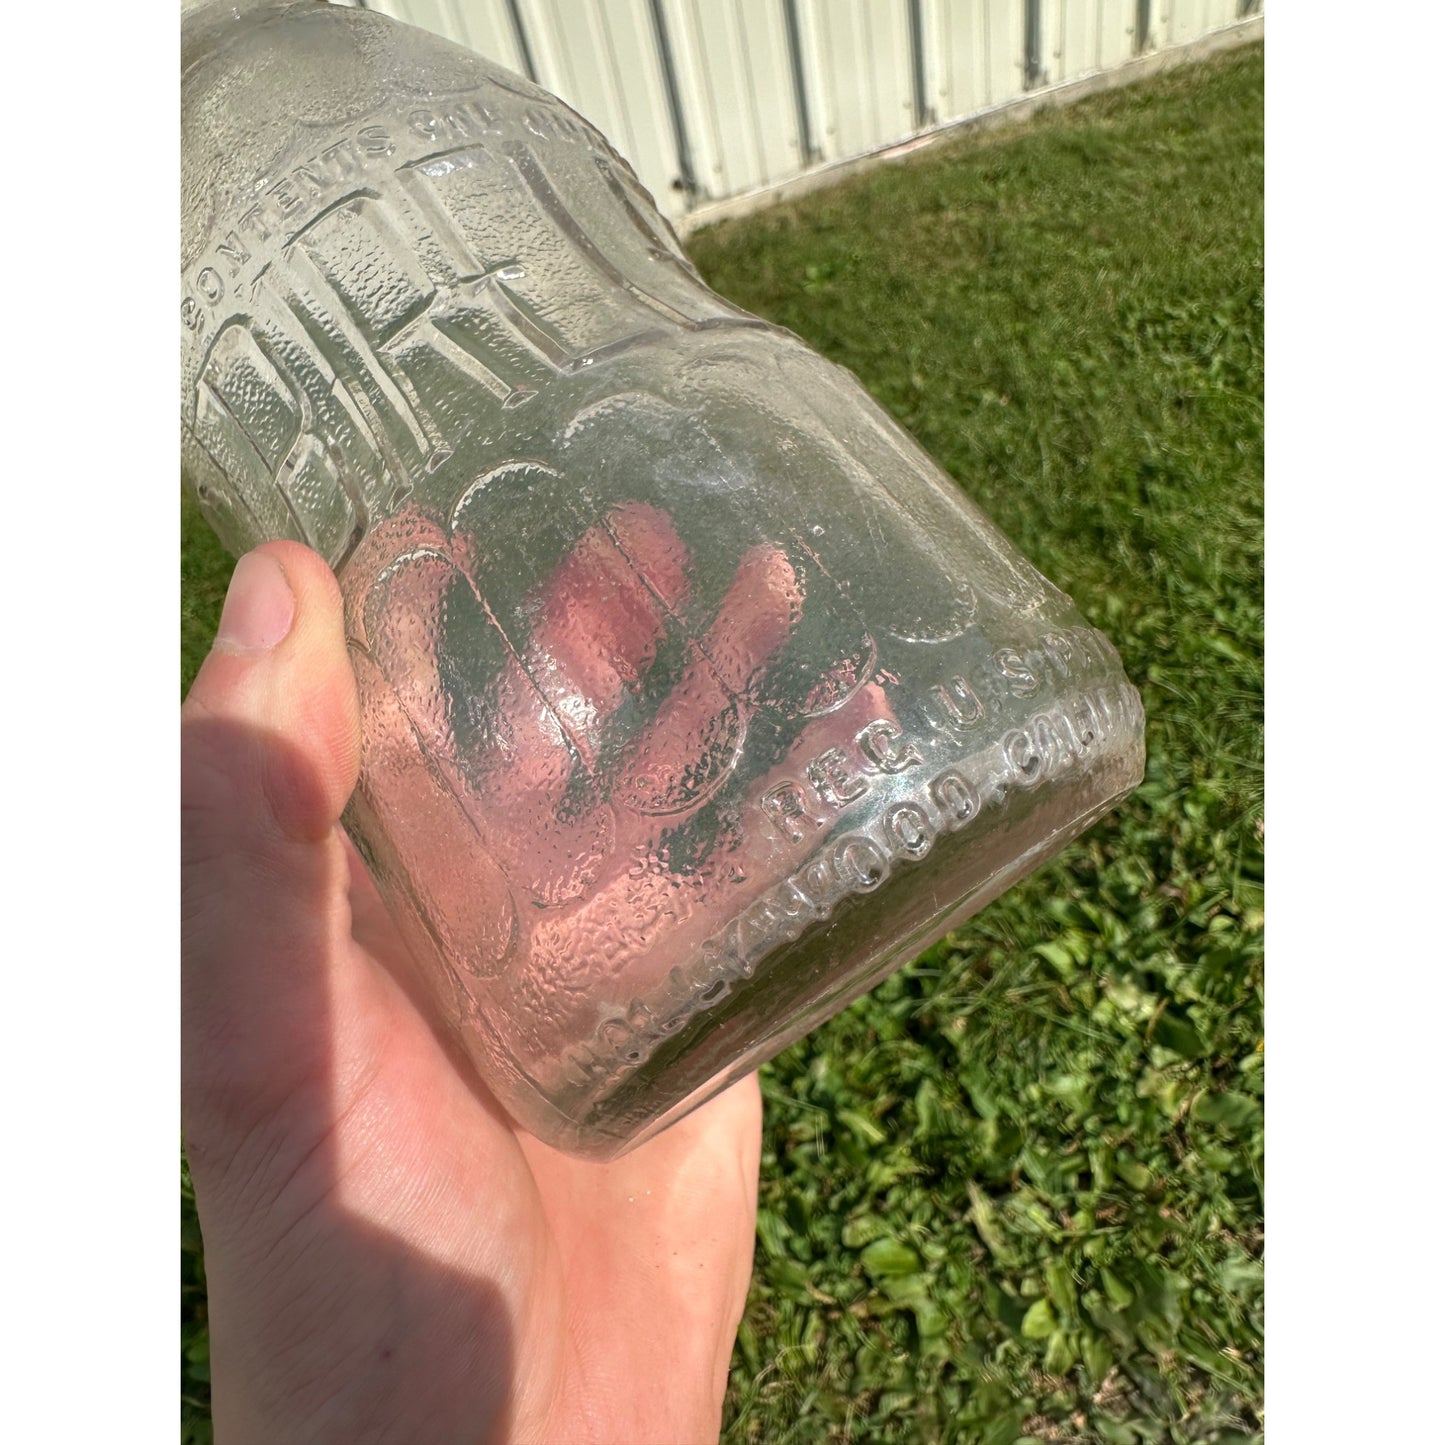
1073, 24
736, 93
858, 66
1114, 44
481, 25
429, 14
973, 54
1181, 21
1177, 21
601, 57
487, 27
1226, 12
1085, 36
705, 91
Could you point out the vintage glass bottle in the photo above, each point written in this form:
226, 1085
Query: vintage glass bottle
696, 698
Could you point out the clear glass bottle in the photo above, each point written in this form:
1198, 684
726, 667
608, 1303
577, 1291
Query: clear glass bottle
695, 697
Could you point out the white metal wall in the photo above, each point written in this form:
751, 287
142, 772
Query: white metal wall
1082, 36
735, 87
485, 26
715, 98
857, 59
1180, 21
973, 55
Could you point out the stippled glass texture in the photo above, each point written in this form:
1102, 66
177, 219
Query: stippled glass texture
695, 697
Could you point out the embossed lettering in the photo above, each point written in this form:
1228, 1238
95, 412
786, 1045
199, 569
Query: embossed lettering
375, 141
785, 806
954, 796
861, 863
908, 826
756, 930
1079, 717
1011, 665
1050, 743
552, 125
1022, 757
584, 1065
1102, 648
1059, 651
958, 702
307, 177
285, 195
829, 775
235, 253
254, 221
880, 744
793, 909
818, 884
210, 285
334, 160
1113, 711
614, 1033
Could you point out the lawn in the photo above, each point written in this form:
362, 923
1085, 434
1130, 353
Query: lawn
1015, 1194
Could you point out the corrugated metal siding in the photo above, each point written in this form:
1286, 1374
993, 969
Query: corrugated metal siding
1180, 21
1084, 36
975, 54
485, 26
714, 98
603, 58
858, 70
735, 88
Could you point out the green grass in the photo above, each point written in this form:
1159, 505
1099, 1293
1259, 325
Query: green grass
1015, 1193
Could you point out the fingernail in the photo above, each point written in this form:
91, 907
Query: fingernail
260, 606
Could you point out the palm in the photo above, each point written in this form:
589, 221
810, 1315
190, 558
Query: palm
387, 1258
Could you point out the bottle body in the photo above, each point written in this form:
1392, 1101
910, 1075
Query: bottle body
694, 697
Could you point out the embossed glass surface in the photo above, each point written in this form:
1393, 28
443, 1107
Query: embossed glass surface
695, 697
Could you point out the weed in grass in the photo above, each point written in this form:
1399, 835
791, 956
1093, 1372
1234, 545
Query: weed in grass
1015, 1193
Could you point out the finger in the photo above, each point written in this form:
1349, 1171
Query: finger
664, 1234
688, 749
459, 732
554, 575
409, 804
757, 614
602, 614
269, 756
647, 537
681, 758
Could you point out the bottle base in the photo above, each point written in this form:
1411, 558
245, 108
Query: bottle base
797, 986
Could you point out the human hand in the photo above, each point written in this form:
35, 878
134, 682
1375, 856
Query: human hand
388, 1258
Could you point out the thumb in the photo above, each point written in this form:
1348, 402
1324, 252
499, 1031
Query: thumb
270, 746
